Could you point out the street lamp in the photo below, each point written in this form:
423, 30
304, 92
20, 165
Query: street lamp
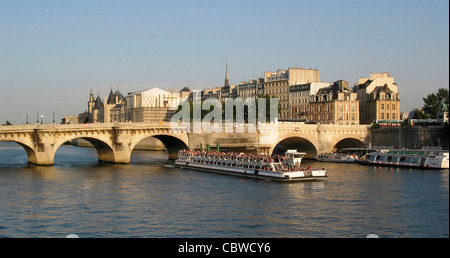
42, 119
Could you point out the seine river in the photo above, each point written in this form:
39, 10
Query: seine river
79, 195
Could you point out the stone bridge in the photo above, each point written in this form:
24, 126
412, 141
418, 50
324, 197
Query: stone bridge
114, 142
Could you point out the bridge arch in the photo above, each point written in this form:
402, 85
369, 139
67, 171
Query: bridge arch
301, 144
349, 142
31, 152
172, 142
104, 149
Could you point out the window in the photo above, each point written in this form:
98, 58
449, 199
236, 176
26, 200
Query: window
393, 106
382, 106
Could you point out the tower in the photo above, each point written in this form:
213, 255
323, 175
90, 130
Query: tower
227, 81
225, 91
91, 102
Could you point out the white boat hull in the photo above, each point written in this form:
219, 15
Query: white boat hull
254, 173
336, 160
427, 161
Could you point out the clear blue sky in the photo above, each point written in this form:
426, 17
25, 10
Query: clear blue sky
53, 52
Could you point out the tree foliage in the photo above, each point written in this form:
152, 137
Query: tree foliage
432, 102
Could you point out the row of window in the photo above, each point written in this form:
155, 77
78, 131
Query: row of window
382, 106
388, 116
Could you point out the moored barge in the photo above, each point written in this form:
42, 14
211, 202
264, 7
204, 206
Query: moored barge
423, 158
260, 166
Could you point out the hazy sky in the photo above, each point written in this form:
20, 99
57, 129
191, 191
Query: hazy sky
53, 52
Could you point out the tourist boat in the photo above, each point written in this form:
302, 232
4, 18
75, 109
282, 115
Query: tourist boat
423, 158
261, 166
337, 157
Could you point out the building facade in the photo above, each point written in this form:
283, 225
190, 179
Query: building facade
251, 89
299, 97
153, 105
335, 104
378, 98
278, 84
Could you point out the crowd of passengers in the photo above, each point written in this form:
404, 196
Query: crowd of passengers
255, 161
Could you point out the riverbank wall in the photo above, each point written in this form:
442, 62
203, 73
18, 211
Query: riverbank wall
411, 137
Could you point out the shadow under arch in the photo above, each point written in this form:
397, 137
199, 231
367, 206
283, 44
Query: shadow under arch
105, 152
171, 143
348, 143
31, 154
295, 143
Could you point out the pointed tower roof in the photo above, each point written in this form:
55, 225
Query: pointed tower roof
91, 98
98, 103
185, 89
227, 81
119, 96
111, 98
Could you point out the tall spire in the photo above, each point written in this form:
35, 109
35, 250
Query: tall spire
91, 98
227, 82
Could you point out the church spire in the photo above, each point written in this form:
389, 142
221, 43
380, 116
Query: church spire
227, 82
91, 98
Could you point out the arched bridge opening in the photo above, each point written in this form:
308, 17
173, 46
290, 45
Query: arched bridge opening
15, 153
348, 143
95, 150
295, 143
170, 144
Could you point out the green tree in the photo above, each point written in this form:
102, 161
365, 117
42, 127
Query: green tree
432, 102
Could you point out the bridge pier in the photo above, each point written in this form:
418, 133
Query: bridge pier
42, 155
41, 159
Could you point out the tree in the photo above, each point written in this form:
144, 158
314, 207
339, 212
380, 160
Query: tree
7, 123
433, 103
419, 114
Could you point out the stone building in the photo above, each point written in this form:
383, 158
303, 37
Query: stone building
153, 105
110, 110
299, 96
277, 84
335, 104
251, 89
378, 98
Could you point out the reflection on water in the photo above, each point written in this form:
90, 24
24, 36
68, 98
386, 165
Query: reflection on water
145, 199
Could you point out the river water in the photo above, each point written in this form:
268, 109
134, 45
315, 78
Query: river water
79, 195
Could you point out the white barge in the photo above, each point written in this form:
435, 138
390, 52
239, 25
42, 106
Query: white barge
261, 166
423, 158
337, 157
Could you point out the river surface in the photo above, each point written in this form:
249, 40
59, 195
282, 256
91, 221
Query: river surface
79, 195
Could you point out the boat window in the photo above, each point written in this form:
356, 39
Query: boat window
298, 156
381, 158
372, 157
392, 158
415, 160
422, 161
